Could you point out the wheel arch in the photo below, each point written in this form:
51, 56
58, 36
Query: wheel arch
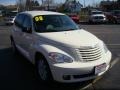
37, 54
11, 38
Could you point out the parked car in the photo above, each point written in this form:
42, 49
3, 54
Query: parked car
10, 17
74, 17
59, 49
97, 17
0, 13
113, 16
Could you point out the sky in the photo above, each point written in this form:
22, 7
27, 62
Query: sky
86, 2
7, 2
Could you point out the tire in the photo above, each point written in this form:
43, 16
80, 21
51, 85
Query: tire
114, 21
43, 69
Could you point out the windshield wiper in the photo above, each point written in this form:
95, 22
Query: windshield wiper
50, 30
71, 29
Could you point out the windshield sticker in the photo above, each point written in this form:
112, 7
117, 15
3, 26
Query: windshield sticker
38, 18
41, 18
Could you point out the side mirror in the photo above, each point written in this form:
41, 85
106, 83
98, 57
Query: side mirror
27, 29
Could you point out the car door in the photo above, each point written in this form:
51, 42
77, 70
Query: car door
26, 37
18, 29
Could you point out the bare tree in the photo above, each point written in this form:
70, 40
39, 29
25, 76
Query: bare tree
24, 5
28, 5
21, 5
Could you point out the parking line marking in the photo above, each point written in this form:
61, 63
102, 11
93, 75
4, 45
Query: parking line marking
105, 32
98, 78
114, 62
113, 44
86, 86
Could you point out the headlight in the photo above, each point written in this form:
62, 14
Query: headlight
105, 48
60, 58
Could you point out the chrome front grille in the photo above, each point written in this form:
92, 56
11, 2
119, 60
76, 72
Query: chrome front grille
98, 17
89, 53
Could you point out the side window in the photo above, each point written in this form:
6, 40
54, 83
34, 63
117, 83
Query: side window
19, 20
27, 22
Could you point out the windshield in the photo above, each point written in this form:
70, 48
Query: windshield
97, 12
53, 23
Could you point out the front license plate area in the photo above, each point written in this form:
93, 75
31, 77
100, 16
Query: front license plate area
100, 68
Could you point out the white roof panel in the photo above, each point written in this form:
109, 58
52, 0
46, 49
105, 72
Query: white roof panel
35, 13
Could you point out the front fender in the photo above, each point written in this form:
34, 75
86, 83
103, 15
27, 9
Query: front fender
46, 49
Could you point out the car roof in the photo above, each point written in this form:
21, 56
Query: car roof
35, 13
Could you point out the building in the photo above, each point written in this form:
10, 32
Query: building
72, 6
49, 5
109, 5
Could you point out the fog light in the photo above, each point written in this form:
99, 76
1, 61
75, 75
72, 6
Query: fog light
66, 77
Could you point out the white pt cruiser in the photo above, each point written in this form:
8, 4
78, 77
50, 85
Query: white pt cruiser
60, 50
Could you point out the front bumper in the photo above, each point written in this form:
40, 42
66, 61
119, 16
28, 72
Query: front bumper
9, 22
78, 71
99, 20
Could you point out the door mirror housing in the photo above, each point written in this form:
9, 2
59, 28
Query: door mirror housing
27, 29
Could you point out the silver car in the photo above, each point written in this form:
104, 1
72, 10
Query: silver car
9, 19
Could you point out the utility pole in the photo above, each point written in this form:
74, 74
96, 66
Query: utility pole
93, 3
84, 3
42, 1
48, 5
28, 4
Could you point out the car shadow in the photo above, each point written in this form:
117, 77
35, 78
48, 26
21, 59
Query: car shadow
17, 73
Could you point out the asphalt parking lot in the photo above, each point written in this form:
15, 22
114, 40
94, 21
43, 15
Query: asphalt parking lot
17, 73
110, 34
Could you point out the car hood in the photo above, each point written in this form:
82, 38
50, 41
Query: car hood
74, 38
98, 15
